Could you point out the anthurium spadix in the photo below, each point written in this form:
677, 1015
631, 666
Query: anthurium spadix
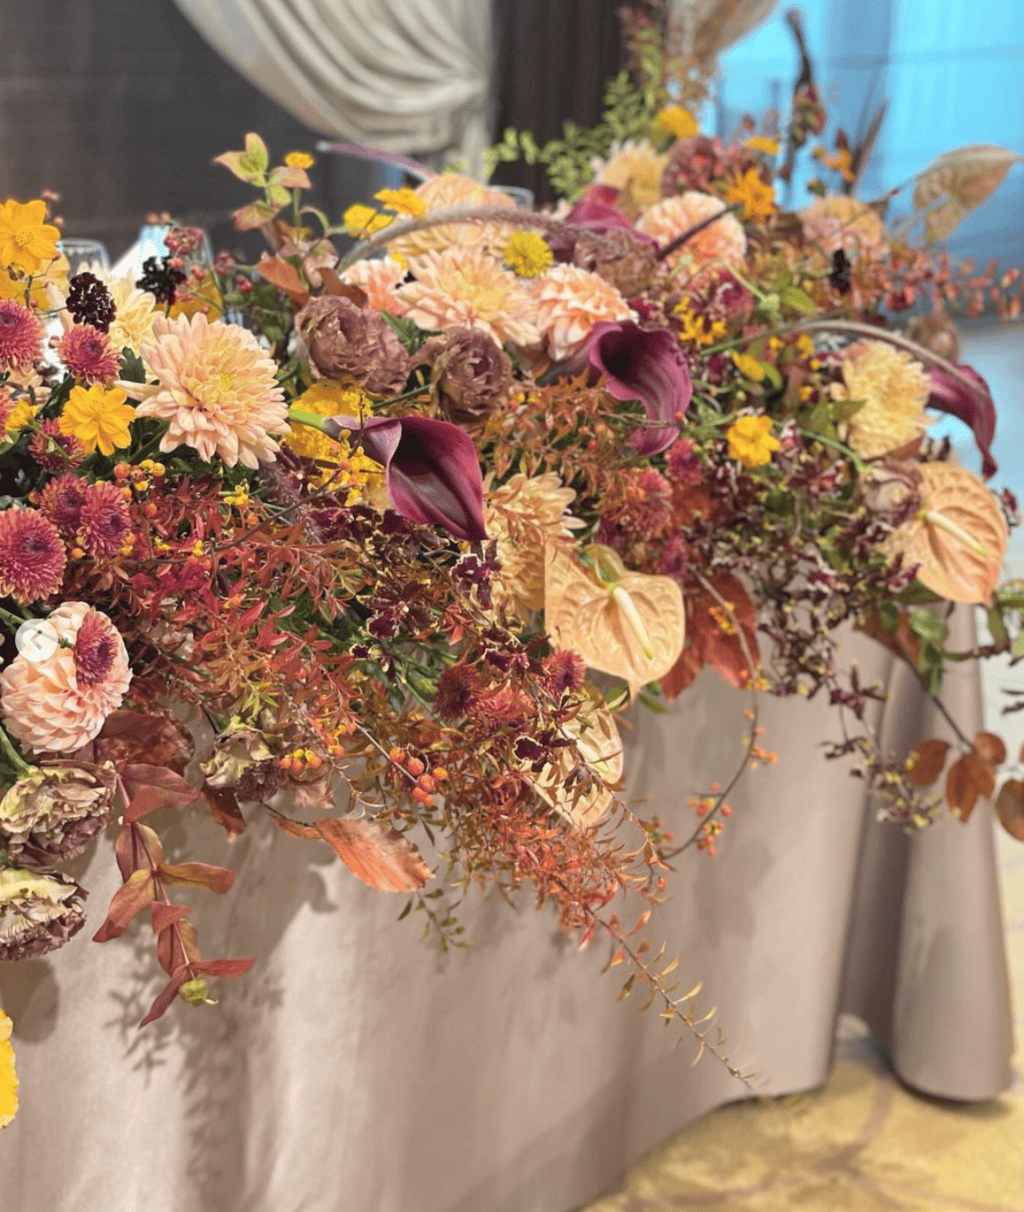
624, 623
431, 469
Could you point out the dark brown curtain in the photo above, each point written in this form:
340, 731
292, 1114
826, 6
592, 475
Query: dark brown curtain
554, 58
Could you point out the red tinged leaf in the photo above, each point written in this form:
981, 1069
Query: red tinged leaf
137, 892
294, 828
1010, 808
150, 788
223, 805
333, 285
966, 779
379, 855
165, 997
165, 915
130, 736
285, 277
713, 635
177, 946
198, 875
990, 748
926, 762
684, 671
225, 968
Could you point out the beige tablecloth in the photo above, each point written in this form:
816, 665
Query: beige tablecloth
357, 1070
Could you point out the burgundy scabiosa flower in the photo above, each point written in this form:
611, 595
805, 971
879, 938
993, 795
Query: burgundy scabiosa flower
32, 556
21, 335
89, 355
90, 302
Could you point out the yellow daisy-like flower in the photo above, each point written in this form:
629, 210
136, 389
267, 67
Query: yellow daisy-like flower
696, 328
677, 121
22, 414
56, 272
406, 201
26, 239
98, 418
749, 367
347, 468
299, 159
527, 255
756, 196
363, 220
762, 143
8, 1075
751, 441
895, 389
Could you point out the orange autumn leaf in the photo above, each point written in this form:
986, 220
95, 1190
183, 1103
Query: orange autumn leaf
714, 636
926, 762
596, 621
990, 748
379, 855
966, 779
958, 537
285, 277
1010, 808
600, 746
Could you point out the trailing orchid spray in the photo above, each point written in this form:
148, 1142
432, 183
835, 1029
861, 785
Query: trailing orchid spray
383, 519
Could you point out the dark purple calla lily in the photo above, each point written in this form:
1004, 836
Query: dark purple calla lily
644, 364
974, 407
597, 211
430, 468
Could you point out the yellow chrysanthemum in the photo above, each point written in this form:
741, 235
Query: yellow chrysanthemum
749, 367
757, 197
299, 159
527, 255
27, 241
406, 201
348, 469
98, 418
8, 1075
895, 389
677, 121
762, 143
363, 220
751, 441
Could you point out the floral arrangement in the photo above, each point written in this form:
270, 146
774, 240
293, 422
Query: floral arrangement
346, 539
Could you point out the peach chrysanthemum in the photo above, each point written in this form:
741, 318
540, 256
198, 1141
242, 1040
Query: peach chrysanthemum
60, 704
440, 192
379, 278
841, 222
635, 169
89, 355
21, 336
570, 301
895, 389
524, 515
135, 312
32, 556
721, 243
468, 286
217, 389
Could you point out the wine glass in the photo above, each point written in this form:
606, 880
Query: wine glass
84, 255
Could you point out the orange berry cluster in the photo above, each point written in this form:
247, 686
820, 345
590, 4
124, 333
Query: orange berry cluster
426, 784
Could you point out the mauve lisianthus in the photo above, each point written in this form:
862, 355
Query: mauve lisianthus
218, 389
341, 341
61, 703
54, 812
32, 556
569, 302
720, 243
21, 335
39, 912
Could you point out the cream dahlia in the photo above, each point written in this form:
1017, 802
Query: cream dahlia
720, 243
895, 389
379, 278
136, 311
217, 389
440, 192
468, 286
32, 556
635, 169
569, 302
840, 222
60, 704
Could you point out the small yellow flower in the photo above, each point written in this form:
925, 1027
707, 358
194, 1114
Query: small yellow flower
756, 196
8, 1076
299, 159
239, 498
363, 220
26, 239
677, 121
22, 415
804, 345
751, 440
762, 143
697, 328
405, 201
99, 419
749, 367
527, 255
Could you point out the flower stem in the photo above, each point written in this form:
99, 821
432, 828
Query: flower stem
12, 620
13, 756
855, 459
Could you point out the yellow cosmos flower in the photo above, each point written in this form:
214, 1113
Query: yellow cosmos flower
346, 468
15, 288
697, 328
299, 159
22, 414
26, 239
527, 255
98, 418
405, 201
363, 220
751, 441
749, 367
677, 121
8, 1076
755, 195
762, 143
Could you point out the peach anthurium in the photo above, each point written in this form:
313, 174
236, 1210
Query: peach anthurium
624, 623
600, 746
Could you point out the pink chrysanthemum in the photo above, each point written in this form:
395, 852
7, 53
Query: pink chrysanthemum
217, 388
380, 279
61, 501
467, 286
32, 556
42, 447
106, 524
60, 704
89, 355
570, 301
21, 335
720, 243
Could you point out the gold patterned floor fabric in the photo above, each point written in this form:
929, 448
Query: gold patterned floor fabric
863, 1143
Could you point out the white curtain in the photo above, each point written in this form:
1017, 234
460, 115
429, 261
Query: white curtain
400, 75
